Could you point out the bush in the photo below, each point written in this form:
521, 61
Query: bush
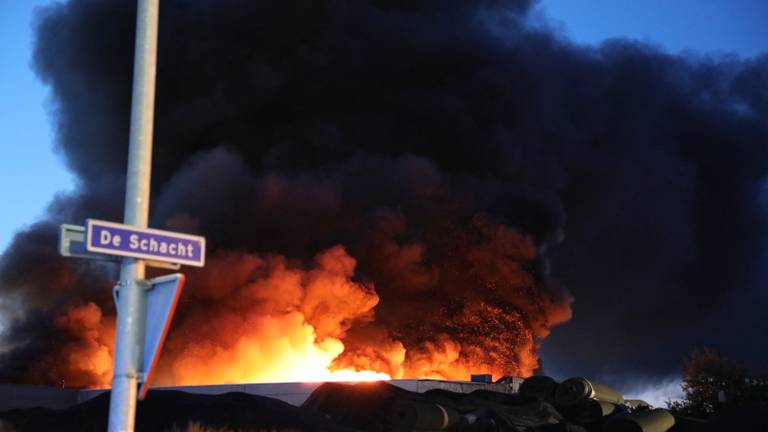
712, 381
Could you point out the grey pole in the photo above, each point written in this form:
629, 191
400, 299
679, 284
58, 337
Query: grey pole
132, 307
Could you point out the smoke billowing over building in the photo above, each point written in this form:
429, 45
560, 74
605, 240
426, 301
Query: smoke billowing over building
416, 189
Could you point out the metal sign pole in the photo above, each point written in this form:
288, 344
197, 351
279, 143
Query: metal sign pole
131, 310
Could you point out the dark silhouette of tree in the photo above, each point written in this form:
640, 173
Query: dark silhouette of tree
712, 381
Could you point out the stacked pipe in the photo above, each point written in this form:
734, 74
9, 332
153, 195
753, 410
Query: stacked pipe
587, 403
539, 387
409, 415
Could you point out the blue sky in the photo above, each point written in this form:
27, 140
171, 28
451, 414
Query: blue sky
31, 172
716, 26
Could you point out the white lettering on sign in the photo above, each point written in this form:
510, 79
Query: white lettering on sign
107, 238
145, 243
152, 245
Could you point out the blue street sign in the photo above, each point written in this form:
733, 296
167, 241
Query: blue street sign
126, 240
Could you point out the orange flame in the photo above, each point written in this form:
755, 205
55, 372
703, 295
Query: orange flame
249, 318
273, 322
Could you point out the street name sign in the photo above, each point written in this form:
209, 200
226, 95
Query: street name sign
126, 240
72, 244
162, 297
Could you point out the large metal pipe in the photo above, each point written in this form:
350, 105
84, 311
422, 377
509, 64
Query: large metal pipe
575, 390
131, 310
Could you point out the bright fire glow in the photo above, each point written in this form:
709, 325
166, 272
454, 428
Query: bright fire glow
249, 319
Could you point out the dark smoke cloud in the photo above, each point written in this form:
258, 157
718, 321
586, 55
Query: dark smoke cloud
435, 257
470, 165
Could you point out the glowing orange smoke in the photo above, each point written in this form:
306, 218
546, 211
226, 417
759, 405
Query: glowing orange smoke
272, 322
253, 318
85, 356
